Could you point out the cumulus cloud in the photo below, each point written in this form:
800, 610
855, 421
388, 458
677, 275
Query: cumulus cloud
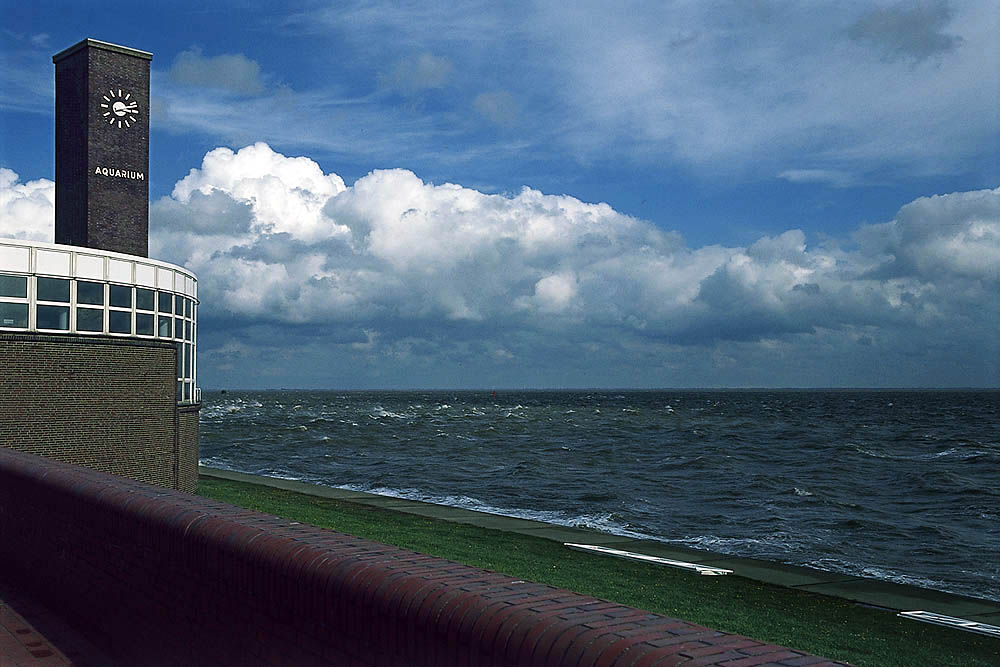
232, 72
27, 210
395, 269
955, 235
393, 278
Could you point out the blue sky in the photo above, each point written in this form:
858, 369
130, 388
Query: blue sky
529, 194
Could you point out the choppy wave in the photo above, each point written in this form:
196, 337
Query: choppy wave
892, 485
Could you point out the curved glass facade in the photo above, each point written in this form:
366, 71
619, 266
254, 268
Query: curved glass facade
50, 288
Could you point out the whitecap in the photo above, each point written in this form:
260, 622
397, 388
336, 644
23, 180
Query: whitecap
380, 412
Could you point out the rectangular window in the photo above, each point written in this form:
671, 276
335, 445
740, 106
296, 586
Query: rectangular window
187, 330
145, 299
166, 302
121, 296
89, 319
14, 286
163, 330
120, 321
180, 360
178, 327
53, 317
187, 361
90, 293
53, 289
14, 315
144, 325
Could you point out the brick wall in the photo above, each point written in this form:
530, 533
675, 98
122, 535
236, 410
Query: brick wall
95, 210
160, 577
188, 441
102, 402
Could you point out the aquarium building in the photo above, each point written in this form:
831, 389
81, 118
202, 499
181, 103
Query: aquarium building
98, 343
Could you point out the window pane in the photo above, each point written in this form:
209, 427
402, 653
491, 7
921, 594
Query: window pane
88, 292
164, 327
178, 328
121, 296
166, 302
89, 319
144, 299
180, 360
16, 286
187, 361
144, 325
121, 322
53, 289
53, 317
14, 315
187, 330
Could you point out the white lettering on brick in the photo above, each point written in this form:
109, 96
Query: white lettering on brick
120, 173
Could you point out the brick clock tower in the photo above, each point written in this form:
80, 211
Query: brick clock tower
102, 147
99, 341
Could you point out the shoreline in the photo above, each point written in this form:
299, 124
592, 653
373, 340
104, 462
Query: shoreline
880, 594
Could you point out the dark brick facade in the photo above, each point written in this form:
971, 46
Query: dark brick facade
157, 577
106, 403
99, 210
188, 443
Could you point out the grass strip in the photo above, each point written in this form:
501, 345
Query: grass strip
818, 624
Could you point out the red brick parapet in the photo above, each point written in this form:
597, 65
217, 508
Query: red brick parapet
161, 577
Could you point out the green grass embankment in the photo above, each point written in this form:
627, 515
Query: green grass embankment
825, 626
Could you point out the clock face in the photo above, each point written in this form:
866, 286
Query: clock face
119, 108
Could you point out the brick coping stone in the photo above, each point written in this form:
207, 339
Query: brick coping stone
163, 577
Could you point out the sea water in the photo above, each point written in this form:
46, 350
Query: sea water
893, 485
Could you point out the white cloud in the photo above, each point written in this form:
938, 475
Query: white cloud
834, 177
936, 237
756, 88
410, 270
395, 274
27, 210
232, 72
555, 293
745, 85
498, 106
285, 194
417, 74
